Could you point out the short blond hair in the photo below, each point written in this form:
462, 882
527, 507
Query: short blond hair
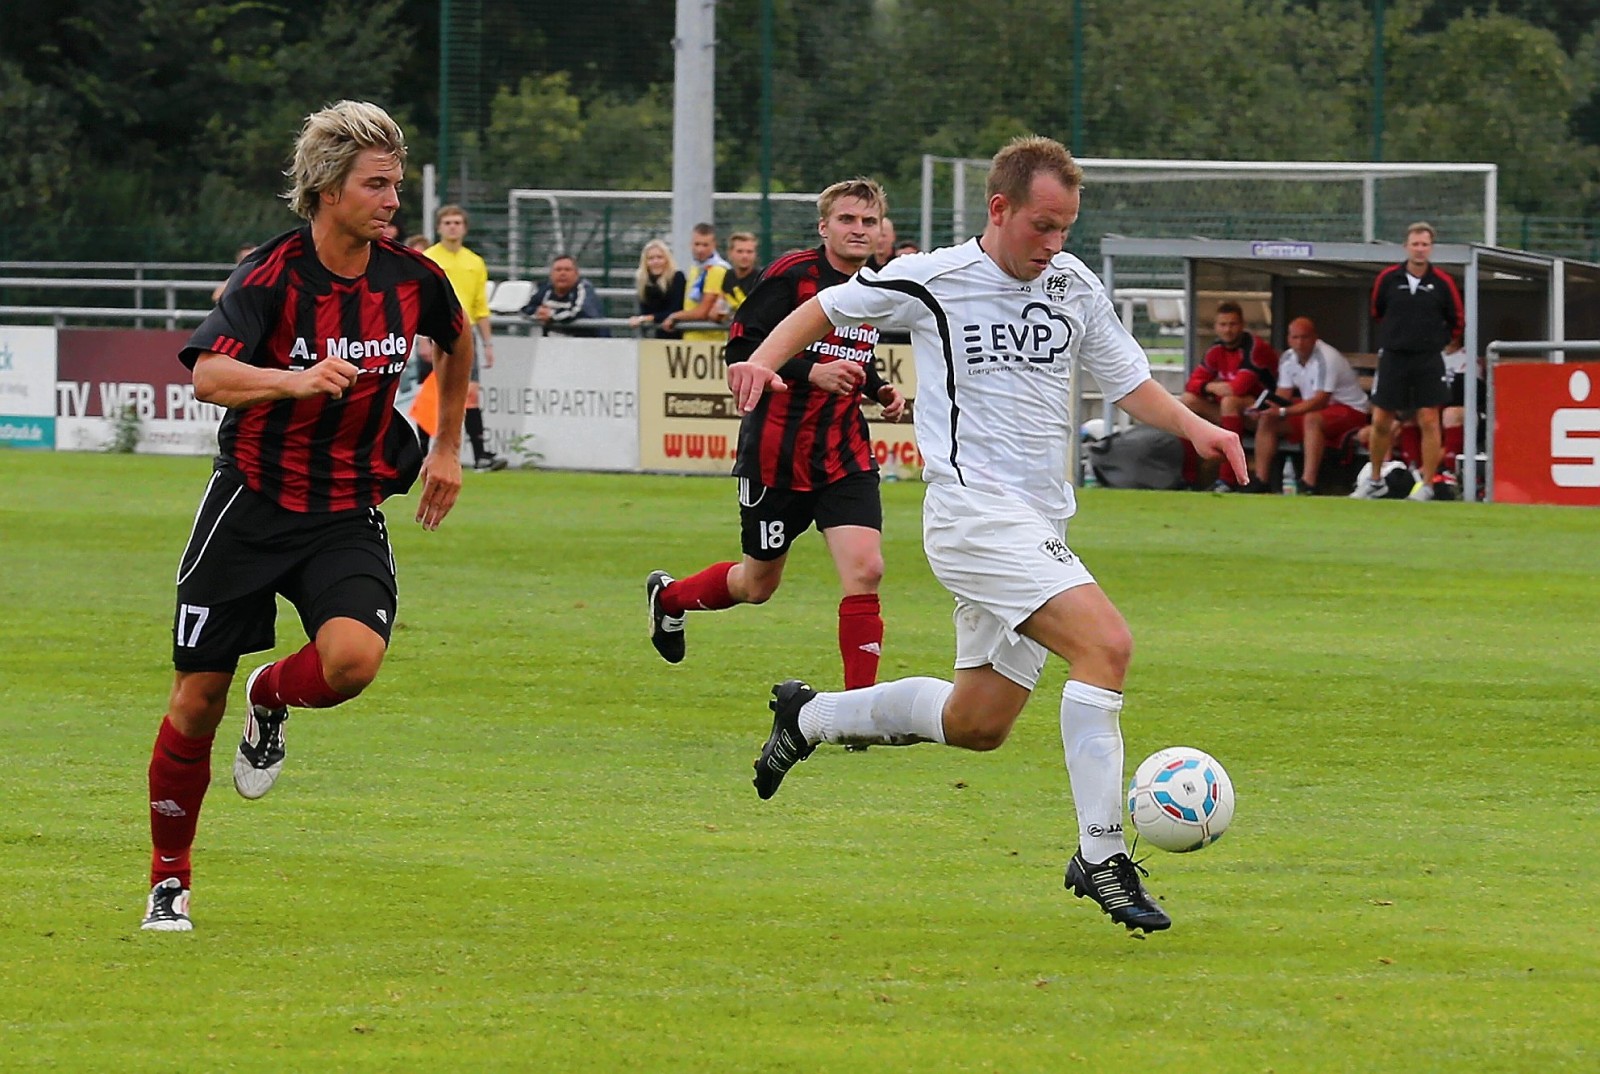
1422, 225
860, 188
1013, 168
327, 148
741, 236
451, 210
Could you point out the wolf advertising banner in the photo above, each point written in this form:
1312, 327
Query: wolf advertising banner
688, 424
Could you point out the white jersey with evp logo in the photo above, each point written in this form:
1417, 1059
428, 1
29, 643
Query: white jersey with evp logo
994, 359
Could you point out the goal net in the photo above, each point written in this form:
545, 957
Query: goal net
1219, 199
606, 229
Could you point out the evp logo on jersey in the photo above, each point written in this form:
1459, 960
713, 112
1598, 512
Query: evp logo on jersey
1038, 338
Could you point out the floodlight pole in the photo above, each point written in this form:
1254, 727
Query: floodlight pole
693, 127
1077, 78
766, 131
1377, 79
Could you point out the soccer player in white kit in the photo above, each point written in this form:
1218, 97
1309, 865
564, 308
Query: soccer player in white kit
995, 325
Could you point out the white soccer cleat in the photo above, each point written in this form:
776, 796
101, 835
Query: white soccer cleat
260, 755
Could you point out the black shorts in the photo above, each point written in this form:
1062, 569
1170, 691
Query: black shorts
770, 519
244, 549
1410, 379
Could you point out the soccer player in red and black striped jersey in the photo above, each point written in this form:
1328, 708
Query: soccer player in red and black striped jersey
305, 350
805, 456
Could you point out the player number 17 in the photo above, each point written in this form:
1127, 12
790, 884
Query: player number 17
188, 635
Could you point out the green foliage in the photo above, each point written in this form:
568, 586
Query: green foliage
490, 863
1510, 102
159, 128
126, 431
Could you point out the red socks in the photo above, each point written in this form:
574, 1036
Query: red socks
180, 772
296, 681
860, 639
860, 621
703, 592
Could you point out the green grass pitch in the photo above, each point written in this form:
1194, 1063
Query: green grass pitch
534, 846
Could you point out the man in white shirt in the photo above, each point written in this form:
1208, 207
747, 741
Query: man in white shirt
1319, 401
996, 325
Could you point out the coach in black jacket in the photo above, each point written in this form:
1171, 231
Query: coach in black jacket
1419, 311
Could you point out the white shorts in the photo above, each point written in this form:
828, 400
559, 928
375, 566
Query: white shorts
1002, 561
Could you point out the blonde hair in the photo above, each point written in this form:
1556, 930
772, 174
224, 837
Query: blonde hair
326, 150
1422, 225
860, 188
451, 210
1013, 168
643, 278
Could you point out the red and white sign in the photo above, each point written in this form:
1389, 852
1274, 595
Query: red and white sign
1547, 433
104, 372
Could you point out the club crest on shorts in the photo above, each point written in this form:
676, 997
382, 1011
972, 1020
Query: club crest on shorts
1057, 549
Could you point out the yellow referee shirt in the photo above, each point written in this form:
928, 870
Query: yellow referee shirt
469, 275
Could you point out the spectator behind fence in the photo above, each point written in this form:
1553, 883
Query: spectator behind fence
244, 251
660, 285
906, 246
1319, 400
705, 285
1225, 385
565, 300
883, 250
741, 278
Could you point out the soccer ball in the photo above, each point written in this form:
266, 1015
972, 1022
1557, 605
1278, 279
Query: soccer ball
1180, 799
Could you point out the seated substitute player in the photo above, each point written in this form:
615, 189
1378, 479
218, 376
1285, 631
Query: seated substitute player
1320, 402
1225, 385
306, 351
996, 326
805, 455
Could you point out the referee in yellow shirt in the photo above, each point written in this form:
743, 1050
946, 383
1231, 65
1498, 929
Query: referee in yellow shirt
470, 277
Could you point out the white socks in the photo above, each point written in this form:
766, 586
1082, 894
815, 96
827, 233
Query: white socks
898, 713
1092, 739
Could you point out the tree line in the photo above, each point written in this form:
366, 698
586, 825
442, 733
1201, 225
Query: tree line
160, 128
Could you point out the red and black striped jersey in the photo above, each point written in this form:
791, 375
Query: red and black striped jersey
282, 309
804, 438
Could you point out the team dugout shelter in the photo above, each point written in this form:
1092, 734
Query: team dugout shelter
1509, 295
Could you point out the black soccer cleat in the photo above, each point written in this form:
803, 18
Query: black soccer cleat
1114, 884
786, 746
167, 909
666, 631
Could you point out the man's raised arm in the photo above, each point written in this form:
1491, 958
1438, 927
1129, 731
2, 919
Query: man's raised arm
759, 373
